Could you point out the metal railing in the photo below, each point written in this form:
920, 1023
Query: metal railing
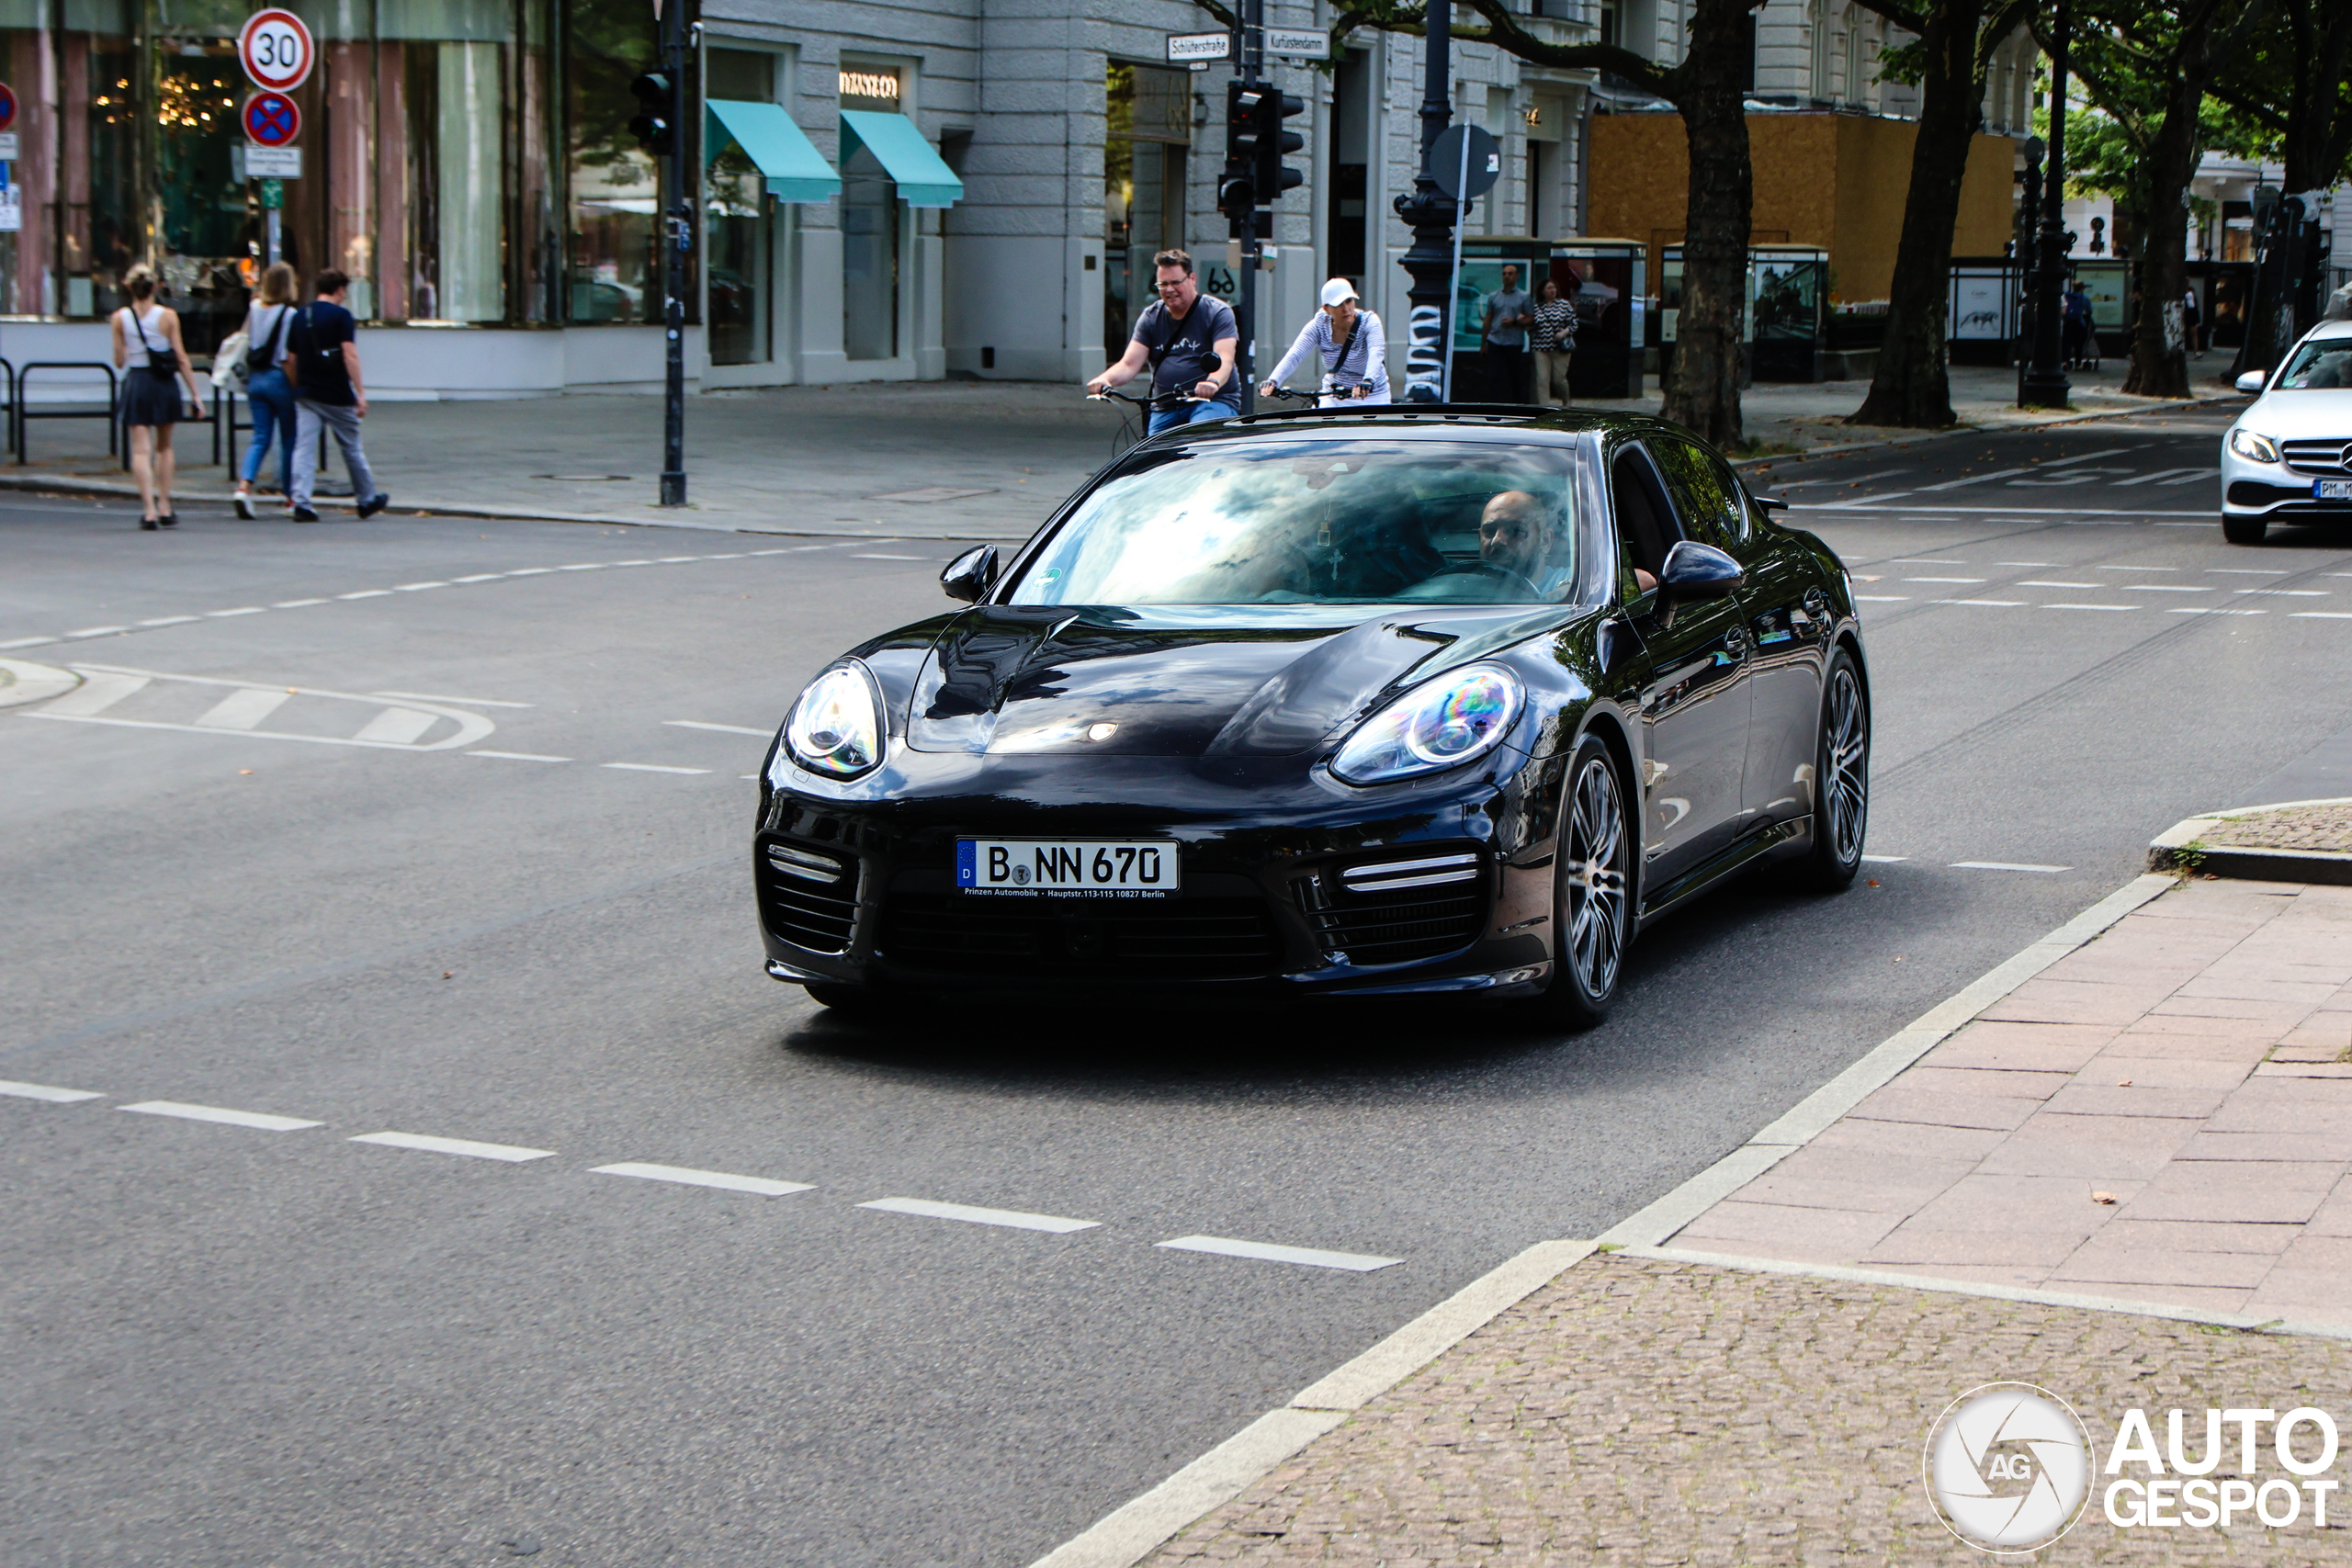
18, 414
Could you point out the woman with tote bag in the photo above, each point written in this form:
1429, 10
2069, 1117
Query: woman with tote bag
267, 322
147, 347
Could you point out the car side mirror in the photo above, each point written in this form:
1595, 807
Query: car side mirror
1767, 504
970, 574
1694, 572
2251, 381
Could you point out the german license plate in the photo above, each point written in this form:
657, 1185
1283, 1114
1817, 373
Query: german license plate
2332, 490
1067, 868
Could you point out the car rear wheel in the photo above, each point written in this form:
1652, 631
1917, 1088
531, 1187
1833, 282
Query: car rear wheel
2243, 530
1841, 789
1593, 890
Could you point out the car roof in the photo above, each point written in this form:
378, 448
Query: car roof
2330, 330
1476, 421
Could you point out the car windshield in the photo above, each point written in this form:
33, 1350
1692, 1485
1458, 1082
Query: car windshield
2323, 362
1354, 522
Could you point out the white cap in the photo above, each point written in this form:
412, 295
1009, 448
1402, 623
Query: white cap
1338, 292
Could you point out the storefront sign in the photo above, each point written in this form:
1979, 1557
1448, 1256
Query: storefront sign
271, 119
276, 51
1298, 43
870, 85
1183, 48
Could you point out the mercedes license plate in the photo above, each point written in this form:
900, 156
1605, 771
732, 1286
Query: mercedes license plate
1067, 868
2332, 490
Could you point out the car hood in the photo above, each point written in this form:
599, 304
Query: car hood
1183, 680
2314, 414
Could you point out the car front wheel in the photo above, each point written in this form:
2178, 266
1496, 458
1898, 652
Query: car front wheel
1841, 779
1593, 890
2243, 530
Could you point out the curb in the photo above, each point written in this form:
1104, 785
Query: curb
2156, 405
1128, 1533
2179, 848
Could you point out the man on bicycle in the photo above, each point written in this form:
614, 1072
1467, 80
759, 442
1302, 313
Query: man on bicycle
1189, 339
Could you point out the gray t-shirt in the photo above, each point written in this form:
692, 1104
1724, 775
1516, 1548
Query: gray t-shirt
1185, 351
1504, 305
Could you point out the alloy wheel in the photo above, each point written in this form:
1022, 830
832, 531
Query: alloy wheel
1847, 755
1596, 877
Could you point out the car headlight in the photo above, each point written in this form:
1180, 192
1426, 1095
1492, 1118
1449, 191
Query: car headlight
836, 726
2255, 448
1443, 723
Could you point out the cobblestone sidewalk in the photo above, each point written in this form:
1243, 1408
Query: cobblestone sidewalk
1642, 1411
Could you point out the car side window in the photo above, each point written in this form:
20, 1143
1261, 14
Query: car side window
1705, 493
1646, 526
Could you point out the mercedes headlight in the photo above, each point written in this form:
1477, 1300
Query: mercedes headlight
836, 726
2255, 448
1442, 723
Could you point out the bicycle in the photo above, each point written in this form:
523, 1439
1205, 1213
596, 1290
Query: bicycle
1328, 395
1135, 427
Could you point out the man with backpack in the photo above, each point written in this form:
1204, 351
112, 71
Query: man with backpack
322, 360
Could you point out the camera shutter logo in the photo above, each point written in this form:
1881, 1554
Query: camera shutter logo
2009, 1467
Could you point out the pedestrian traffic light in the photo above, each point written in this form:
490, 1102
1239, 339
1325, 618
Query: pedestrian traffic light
653, 125
1271, 176
1235, 193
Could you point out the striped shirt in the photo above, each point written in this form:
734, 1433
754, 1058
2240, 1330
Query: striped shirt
1556, 326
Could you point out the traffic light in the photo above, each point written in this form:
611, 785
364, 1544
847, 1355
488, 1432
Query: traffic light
1235, 192
653, 125
1273, 176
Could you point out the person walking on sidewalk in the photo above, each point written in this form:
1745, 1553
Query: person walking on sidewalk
1354, 349
1189, 340
147, 349
1503, 337
266, 388
329, 394
1555, 341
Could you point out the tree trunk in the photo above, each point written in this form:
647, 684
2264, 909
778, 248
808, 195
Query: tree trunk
1704, 391
2317, 127
2160, 226
1910, 388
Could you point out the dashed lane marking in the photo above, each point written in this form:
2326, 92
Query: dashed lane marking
2320, 616
1885, 859
368, 593
171, 620
240, 609
1882, 598
1265, 1252
2090, 606
718, 1179
2004, 865
2039, 582
1985, 603
520, 755
723, 728
649, 768
297, 604
868, 555
1944, 580
2209, 610
215, 1114
44, 1092
510, 1153
416, 587
1010, 1218
462, 702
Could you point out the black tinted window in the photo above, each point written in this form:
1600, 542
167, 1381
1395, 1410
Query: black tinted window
1705, 493
1644, 526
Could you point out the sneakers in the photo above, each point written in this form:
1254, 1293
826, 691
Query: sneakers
374, 504
303, 515
245, 505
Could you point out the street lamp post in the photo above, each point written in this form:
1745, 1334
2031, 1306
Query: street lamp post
671, 17
2044, 385
1432, 215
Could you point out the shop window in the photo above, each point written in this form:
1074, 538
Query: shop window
616, 188
739, 220
1147, 127
871, 221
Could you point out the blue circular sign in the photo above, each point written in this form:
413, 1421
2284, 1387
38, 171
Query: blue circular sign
271, 118
7, 107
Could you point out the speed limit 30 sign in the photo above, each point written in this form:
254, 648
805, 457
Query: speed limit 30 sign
276, 51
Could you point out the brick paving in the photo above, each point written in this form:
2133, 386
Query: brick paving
1642, 1412
2304, 828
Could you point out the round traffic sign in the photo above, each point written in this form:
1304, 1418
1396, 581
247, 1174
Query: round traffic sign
1475, 167
7, 107
276, 51
272, 119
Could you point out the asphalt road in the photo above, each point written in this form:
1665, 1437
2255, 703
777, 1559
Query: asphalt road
522, 917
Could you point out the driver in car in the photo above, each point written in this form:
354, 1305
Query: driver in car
1516, 535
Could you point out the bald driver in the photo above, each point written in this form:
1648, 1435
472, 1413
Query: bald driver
1515, 535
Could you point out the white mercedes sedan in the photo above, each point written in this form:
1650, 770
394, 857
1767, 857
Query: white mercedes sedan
2288, 456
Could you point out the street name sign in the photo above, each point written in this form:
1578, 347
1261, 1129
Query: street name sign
1298, 43
1184, 48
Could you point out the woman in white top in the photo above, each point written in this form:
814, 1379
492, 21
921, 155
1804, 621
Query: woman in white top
1353, 348
269, 323
147, 349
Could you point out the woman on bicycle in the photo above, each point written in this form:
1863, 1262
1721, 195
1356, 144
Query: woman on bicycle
1353, 348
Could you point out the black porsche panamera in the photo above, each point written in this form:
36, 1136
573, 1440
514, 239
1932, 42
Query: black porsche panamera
1339, 701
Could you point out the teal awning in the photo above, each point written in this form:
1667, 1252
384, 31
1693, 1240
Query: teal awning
796, 171
923, 177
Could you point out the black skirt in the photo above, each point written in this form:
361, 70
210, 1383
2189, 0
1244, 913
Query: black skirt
151, 396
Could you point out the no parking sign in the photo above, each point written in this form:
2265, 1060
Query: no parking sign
271, 119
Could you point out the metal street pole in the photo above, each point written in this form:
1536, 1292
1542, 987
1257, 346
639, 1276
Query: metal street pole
2045, 385
1253, 75
1432, 215
673, 17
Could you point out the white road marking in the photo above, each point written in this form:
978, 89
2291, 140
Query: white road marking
2136, 570
2038, 583
42, 1091
214, 1113
868, 555
2288, 593
520, 755
2045, 565
649, 768
969, 1215
1922, 560
2320, 616
28, 642
2061, 466
479, 577
416, 587
2252, 571
1987, 604
2167, 588
632, 563
723, 728
368, 593
464, 702
1944, 580
583, 566
2090, 606
397, 726
673, 560
718, 1179
1314, 1258
95, 694
1885, 859
98, 631
2004, 865
297, 604
530, 571
241, 610
1882, 598
170, 621
510, 1153
2204, 610
242, 709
